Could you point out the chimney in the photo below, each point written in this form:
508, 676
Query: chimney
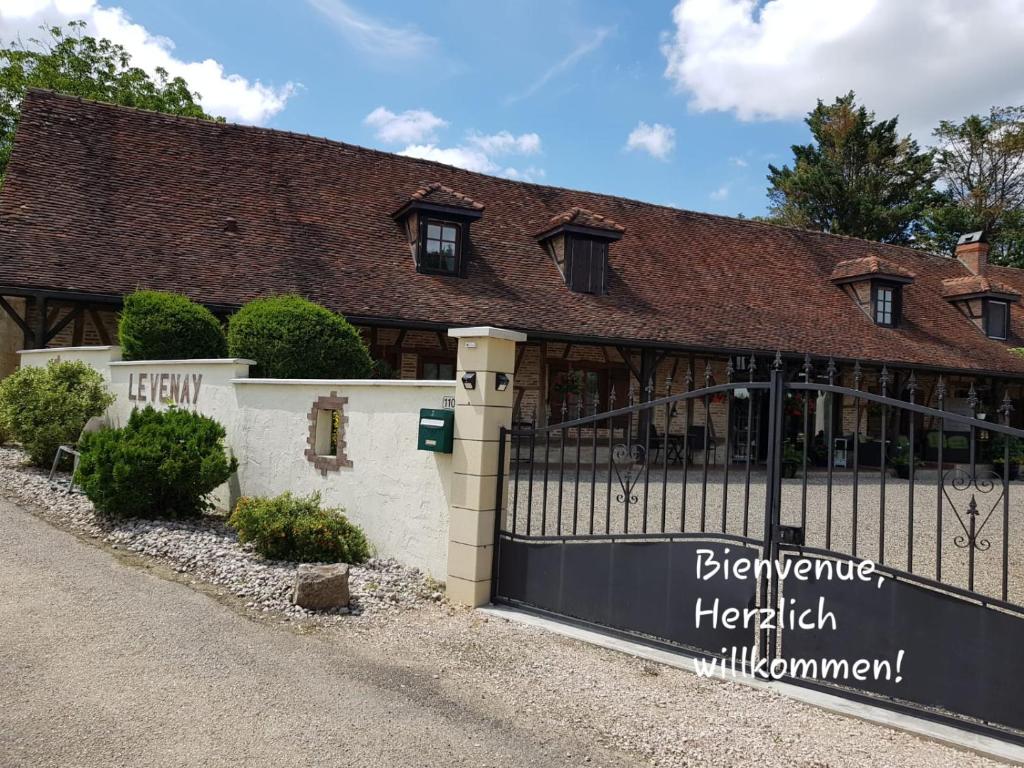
972, 251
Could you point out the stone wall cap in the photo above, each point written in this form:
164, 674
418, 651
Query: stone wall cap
351, 382
51, 350
197, 361
486, 331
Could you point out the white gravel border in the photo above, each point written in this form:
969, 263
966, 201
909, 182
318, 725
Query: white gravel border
208, 550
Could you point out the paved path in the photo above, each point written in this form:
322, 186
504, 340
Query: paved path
104, 664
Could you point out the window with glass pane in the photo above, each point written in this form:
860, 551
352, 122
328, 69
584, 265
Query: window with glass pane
438, 371
884, 305
997, 317
441, 247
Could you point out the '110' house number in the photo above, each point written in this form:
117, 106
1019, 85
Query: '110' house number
448, 401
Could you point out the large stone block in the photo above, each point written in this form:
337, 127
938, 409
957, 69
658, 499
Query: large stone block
321, 587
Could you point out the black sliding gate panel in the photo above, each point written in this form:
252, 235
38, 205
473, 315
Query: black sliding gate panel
607, 514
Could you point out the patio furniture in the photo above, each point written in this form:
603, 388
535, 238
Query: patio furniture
95, 424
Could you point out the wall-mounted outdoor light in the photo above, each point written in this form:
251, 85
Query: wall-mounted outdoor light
501, 381
469, 380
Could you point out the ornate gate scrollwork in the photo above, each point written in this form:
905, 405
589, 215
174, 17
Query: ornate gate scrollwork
628, 461
964, 482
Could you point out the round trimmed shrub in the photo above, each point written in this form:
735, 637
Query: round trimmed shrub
296, 528
156, 325
290, 337
44, 408
161, 464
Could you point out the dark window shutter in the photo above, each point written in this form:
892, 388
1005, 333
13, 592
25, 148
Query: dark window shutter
597, 266
579, 276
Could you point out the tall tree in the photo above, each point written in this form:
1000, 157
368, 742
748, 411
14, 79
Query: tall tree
858, 177
68, 61
981, 172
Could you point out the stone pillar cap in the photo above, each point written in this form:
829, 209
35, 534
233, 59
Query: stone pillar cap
486, 331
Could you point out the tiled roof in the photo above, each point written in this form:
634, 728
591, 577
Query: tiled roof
437, 193
868, 266
581, 217
975, 284
103, 200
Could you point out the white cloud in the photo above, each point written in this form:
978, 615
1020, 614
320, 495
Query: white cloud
372, 36
739, 162
411, 126
230, 95
480, 153
589, 45
923, 60
657, 140
721, 193
503, 142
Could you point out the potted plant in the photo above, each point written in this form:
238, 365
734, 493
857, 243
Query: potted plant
998, 452
902, 459
791, 459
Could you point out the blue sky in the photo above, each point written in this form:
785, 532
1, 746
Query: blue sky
711, 91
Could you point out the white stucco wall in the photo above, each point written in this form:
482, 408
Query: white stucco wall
396, 493
98, 357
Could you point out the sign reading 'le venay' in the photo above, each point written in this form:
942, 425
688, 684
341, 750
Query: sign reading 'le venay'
177, 388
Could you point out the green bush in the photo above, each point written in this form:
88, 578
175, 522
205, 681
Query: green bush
167, 326
292, 338
161, 464
43, 408
295, 528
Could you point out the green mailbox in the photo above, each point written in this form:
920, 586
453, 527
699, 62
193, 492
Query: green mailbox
437, 428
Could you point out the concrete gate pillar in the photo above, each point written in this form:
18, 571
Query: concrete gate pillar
480, 412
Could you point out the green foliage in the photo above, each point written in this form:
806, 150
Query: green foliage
43, 408
288, 527
161, 464
167, 326
858, 177
980, 161
68, 61
292, 338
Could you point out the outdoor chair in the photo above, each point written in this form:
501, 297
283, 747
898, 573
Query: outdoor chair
95, 424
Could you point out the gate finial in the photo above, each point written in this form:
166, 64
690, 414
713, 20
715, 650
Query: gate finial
707, 374
777, 362
883, 380
752, 366
858, 375
831, 370
912, 385
689, 378
972, 398
1006, 408
729, 370
940, 391
807, 368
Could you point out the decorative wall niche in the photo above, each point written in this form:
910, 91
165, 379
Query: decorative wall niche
325, 445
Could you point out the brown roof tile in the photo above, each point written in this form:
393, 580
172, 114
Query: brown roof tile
581, 217
868, 266
102, 200
975, 284
437, 193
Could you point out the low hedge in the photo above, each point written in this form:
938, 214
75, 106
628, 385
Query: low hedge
161, 464
155, 325
43, 408
298, 529
292, 338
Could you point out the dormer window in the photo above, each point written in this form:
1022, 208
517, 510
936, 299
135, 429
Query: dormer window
983, 301
436, 220
577, 242
876, 286
441, 247
997, 318
885, 303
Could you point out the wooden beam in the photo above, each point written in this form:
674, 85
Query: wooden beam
73, 313
519, 358
78, 332
13, 314
442, 341
629, 362
101, 328
567, 350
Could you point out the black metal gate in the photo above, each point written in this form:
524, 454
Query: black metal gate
608, 514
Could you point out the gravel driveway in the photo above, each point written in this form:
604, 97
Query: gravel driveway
107, 664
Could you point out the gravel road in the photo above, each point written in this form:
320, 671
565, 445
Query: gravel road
106, 661
107, 665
